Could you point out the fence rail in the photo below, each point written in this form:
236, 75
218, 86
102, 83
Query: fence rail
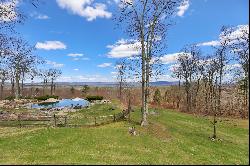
62, 121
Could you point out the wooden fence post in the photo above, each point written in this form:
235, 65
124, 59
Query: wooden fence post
55, 119
95, 121
19, 121
65, 121
114, 117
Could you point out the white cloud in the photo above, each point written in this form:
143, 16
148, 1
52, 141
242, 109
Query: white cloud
42, 17
54, 64
117, 66
183, 8
166, 77
173, 67
238, 32
85, 8
133, 58
230, 67
169, 58
76, 69
105, 65
85, 78
78, 59
51, 45
124, 48
39, 16
75, 55
210, 43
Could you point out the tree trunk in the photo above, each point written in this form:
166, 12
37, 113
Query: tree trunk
44, 83
147, 84
187, 95
12, 86
17, 92
51, 87
31, 88
120, 90
1, 90
214, 124
178, 95
22, 84
143, 97
54, 88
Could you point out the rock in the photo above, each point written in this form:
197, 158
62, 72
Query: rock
50, 100
13, 116
132, 131
212, 139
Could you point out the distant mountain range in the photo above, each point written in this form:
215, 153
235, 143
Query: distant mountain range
104, 84
112, 84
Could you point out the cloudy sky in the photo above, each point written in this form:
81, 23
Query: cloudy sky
79, 36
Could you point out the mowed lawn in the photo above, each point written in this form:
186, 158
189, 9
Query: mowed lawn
171, 138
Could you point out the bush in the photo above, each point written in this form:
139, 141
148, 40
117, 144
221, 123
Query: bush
91, 98
46, 97
10, 98
26, 97
157, 96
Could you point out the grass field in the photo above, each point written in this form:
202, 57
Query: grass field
171, 138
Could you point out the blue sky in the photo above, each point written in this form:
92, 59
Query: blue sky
79, 36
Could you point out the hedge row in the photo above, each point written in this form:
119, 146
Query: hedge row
46, 97
91, 98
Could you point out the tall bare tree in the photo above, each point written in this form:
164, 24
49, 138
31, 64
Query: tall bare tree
146, 22
240, 48
21, 59
4, 75
121, 67
222, 52
188, 70
53, 74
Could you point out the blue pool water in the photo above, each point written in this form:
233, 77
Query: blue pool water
63, 103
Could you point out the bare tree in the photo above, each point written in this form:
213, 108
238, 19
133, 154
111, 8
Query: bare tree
4, 75
210, 77
240, 48
221, 53
187, 69
44, 74
21, 60
33, 73
53, 74
11, 14
146, 22
121, 68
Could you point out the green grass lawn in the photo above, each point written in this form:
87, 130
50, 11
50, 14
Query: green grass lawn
171, 138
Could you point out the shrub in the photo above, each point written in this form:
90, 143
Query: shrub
91, 98
10, 98
72, 90
46, 97
85, 89
26, 97
157, 96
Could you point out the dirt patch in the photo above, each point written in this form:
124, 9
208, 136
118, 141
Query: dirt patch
240, 123
157, 130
